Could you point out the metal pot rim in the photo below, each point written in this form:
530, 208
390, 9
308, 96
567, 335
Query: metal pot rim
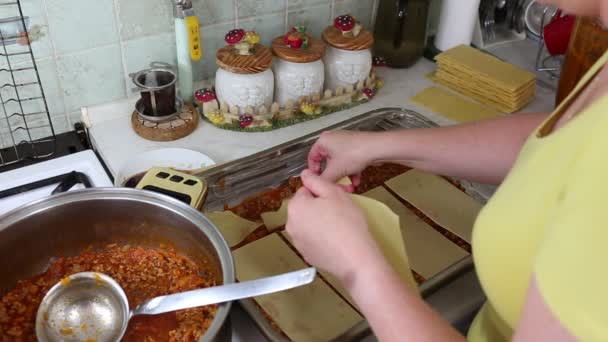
166, 202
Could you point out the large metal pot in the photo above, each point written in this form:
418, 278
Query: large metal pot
65, 224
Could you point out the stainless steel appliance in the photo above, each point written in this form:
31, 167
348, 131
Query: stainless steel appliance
400, 31
500, 21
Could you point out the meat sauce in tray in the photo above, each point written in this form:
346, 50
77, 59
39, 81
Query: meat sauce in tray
372, 177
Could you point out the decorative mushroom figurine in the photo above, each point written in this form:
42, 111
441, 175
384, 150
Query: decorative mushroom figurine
206, 98
348, 25
204, 95
242, 41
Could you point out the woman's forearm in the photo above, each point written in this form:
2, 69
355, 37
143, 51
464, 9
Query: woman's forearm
483, 151
394, 311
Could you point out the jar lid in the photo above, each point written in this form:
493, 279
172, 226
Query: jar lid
348, 34
312, 53
258, 61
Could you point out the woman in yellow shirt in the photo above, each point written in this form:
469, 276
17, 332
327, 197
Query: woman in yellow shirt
538, 245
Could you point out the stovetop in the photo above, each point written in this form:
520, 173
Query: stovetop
72, 167
66, 144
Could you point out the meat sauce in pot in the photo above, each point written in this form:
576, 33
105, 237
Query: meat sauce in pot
142, 272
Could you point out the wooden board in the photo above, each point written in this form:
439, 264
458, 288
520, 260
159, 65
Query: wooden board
429, 252
314, 52
172, 130
335, 38
309, 313
439, 200
259, 61
233, 227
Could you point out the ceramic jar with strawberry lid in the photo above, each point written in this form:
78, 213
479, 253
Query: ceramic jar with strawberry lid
348, 59
298, 66
244, 79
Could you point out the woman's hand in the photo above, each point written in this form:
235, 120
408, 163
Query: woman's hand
329, 229
345, 153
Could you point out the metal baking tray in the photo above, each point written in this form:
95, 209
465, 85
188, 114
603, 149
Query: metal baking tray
233, 182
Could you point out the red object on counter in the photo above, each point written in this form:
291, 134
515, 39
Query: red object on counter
558, 32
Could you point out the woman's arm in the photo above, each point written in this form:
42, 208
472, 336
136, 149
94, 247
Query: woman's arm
537, 314
348, 251
395, 311
482, 151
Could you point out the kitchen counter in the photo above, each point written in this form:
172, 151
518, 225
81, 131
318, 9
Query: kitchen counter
112, 136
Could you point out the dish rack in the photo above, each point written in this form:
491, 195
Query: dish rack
26, 129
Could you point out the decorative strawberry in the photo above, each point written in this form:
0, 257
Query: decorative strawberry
245, 120
296, 38
235, 36
294, 41
345, 23
368, 93
205, 95
379, 61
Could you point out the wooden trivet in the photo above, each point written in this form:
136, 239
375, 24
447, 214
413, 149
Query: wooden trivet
314, 52
260, 60
181, 126
335, 38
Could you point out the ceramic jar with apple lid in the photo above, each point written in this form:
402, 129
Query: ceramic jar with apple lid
244, 80
298, 67
348, 59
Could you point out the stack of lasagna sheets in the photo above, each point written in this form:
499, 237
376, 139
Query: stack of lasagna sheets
499, 85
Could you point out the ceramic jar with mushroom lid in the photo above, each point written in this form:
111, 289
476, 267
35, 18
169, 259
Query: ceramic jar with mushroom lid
348, 59
298, 66
244, 80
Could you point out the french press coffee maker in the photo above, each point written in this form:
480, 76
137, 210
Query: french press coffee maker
400, 31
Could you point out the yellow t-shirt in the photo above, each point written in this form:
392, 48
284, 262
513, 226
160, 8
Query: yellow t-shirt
550, 219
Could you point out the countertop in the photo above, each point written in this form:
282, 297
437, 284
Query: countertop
114, 139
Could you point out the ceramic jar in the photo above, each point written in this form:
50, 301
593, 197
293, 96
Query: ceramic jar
294, 80
244, 78
344, 67
245, 90
348, 59
298, 66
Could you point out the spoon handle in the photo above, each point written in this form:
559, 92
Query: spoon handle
225, 293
